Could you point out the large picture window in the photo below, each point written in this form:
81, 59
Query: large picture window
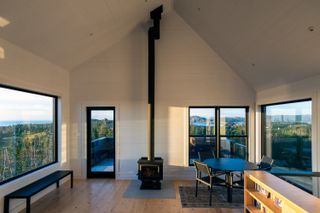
286, 134
28, 123
218, 130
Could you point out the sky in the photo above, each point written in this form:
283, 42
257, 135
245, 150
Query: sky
102, 114
23, 106
224, 112
297, 108
203, 112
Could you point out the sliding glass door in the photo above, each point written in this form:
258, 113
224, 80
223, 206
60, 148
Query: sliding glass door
100, 142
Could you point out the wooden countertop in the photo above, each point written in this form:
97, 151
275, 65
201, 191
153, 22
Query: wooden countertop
298, 199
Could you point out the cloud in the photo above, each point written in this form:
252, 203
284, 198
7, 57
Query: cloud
23, 106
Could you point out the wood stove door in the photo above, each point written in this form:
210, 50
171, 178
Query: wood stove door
100, 142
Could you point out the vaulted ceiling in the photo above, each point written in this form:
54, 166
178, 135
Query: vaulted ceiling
69, 32
268, 43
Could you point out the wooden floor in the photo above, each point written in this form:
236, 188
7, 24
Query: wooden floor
105, 195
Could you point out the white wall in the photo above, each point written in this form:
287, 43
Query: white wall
188, 72
22, 69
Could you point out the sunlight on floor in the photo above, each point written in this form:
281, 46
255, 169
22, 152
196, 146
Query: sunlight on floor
2, 55
4, 22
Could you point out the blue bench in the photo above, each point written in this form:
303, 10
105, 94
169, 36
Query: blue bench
33, 188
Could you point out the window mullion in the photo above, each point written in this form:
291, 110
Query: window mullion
218, 131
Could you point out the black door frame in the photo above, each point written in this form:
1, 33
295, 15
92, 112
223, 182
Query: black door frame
91, 174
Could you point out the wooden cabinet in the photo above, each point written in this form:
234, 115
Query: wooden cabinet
264, 192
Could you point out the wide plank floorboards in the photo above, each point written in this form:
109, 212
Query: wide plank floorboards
105, 195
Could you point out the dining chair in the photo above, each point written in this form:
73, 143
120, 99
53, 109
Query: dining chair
204, 155
265, 163
204, 176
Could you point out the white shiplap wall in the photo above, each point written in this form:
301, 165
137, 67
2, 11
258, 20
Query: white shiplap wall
188, 72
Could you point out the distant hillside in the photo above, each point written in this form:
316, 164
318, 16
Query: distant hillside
290, 118
199, 119
108, 123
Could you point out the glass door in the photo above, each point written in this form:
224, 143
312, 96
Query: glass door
100, 142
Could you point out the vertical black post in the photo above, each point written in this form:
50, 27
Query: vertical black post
151, 90
71, 180
28, 201
153, 34
6, 205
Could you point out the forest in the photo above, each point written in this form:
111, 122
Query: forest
24, 147
101, 128
199, 126
290, 144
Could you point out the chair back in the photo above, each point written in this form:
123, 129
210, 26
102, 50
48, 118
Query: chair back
201, 168
265, 163
204, 155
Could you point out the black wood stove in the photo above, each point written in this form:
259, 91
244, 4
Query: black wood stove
150, 172
150, 169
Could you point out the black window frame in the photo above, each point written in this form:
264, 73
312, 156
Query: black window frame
204, 136
263, 116
55, 126
217, 135
100, 174
236, 136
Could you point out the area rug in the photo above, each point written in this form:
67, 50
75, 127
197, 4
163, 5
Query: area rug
167, 191
219, 197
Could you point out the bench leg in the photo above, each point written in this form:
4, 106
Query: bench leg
28, 210
6, 205
71, 181
57, 184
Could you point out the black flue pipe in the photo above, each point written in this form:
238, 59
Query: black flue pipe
153, 34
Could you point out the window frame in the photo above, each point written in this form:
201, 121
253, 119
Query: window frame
215, 120
100, 174
263, 116
204, 136
236, 136
55, 134
217, 135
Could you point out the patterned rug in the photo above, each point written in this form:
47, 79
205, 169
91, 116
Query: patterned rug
219, 197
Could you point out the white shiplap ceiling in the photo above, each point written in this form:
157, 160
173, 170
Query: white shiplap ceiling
267, 42
69, 32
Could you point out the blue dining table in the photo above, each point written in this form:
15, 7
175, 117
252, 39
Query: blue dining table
229, 166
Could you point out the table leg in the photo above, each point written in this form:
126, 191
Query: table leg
28, 209
6, 205
71, 181
229, 186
